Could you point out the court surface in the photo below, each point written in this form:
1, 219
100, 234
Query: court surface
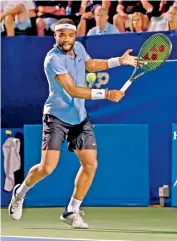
130, 224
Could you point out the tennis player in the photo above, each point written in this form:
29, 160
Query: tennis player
65, 118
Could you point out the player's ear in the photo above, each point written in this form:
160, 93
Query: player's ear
54, 35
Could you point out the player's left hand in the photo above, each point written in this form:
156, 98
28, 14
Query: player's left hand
127, 59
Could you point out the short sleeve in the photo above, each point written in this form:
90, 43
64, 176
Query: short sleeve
57, 65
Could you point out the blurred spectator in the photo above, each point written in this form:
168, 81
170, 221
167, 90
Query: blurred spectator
87, 20
172, 18
112, 9
16, 14
125, 9
137, 23
157, 24
102, 25
31, 8
75, 7
164, 6
48, 13
160, 23
91, 5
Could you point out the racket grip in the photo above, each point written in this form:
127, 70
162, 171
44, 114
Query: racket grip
126, 85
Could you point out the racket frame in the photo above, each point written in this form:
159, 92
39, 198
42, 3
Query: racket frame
131, 79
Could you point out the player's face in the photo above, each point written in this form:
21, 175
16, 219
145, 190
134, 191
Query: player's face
137, 22
65, 39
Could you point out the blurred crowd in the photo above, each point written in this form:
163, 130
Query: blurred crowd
91, 17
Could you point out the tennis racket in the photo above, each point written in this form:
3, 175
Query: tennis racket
154, 52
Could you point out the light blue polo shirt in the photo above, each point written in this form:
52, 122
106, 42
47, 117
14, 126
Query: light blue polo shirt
59, 103
109, 29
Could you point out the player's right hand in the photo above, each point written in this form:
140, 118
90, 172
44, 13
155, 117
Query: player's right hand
115, 95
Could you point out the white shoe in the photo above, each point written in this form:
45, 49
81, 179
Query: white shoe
74, 219
16, 205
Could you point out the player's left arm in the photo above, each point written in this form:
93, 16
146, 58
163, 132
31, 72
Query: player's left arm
93, 65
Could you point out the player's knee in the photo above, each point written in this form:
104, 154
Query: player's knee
91, 167
47, 170
49, 161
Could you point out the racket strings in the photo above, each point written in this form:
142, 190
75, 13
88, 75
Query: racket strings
155, 51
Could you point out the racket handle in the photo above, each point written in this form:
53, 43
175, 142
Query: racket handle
126, 85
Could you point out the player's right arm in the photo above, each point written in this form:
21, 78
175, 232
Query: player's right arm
58, 67
66, 81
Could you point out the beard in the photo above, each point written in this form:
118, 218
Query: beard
66, 47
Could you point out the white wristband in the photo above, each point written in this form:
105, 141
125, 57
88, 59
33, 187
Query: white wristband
98, 94
113, 62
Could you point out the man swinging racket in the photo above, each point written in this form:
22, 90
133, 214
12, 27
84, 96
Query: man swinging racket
65, 117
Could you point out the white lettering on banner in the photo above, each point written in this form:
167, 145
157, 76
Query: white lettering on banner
175, 135
175, 184
102, 79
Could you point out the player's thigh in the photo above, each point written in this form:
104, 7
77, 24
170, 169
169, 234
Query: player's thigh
83, 143
53, 137
82, 137
49, 160
88, 158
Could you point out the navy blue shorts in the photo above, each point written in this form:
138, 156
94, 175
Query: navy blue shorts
55, 132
